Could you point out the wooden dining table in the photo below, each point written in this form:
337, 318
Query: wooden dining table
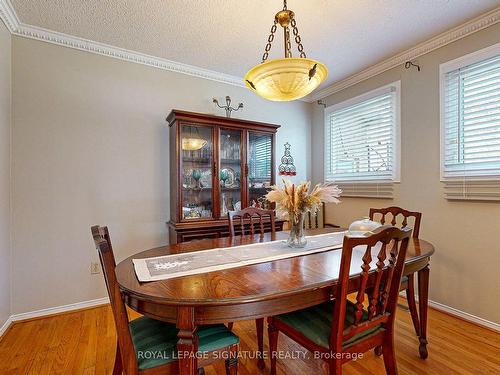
253, 291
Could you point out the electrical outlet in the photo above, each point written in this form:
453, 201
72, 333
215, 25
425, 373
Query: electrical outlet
94, 268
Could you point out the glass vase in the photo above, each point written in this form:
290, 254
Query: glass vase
297, 236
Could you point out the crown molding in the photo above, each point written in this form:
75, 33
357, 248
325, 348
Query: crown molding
483, 21
9, 16
82, 44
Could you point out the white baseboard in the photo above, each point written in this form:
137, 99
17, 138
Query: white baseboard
459, 314
6, 325
52, 310
465, 316
59, 309
102, 301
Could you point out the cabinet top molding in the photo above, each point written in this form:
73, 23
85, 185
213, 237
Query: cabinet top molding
178, 115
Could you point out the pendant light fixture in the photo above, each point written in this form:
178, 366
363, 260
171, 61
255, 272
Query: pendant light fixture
289, 78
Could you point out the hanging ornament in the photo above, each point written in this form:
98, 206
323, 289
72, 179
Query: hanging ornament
287, 168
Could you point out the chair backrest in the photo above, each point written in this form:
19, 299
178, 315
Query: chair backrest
395, 212
251, 215
318, 220
315, 220
388, 247
103, 245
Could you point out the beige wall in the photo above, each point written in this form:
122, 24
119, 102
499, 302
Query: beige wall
464, 270
90, 146
5, 109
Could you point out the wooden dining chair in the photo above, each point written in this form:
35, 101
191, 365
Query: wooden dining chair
394, 214
147, 346
250, 216
339, 329
318, 220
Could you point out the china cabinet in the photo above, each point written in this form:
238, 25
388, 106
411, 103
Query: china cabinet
217, 164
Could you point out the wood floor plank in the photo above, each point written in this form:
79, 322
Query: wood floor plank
68, 346
84, 342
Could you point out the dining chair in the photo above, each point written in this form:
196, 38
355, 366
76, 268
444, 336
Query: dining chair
339, 329
407, 282
249, 216
316, 221
147, 346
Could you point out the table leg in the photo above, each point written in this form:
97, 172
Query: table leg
187, 346
423, 303
259, 323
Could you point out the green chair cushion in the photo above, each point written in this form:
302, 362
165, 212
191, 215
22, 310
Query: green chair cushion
155, 341
316, 323
402, 286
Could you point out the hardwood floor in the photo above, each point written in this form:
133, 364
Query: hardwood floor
83, 342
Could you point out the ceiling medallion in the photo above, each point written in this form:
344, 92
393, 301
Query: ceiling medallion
289, 78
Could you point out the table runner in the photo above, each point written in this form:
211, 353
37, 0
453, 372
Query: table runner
196, 262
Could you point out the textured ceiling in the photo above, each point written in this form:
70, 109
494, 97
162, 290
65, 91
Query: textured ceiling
229, 36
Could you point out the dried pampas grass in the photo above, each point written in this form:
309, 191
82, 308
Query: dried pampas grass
293, 200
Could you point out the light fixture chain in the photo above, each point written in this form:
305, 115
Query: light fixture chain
288, 52
298, 39
285, 79
269, 41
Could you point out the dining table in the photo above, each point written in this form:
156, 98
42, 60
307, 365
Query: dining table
252, 291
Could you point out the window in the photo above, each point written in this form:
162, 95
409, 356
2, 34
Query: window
362, 140
470, 126
260, 158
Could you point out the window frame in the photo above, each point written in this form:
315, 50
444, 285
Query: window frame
396, 137
445, 68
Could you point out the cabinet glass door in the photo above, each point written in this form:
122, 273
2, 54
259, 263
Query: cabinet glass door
230, 170
197, 165
260, 160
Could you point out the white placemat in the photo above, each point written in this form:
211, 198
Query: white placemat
196, 262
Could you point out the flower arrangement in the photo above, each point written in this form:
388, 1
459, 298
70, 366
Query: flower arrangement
294, 201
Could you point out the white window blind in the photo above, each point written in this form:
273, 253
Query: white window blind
361, 143
260, 156
470, 116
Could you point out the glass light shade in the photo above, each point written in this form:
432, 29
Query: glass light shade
362, 228
285, 79
192, 144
